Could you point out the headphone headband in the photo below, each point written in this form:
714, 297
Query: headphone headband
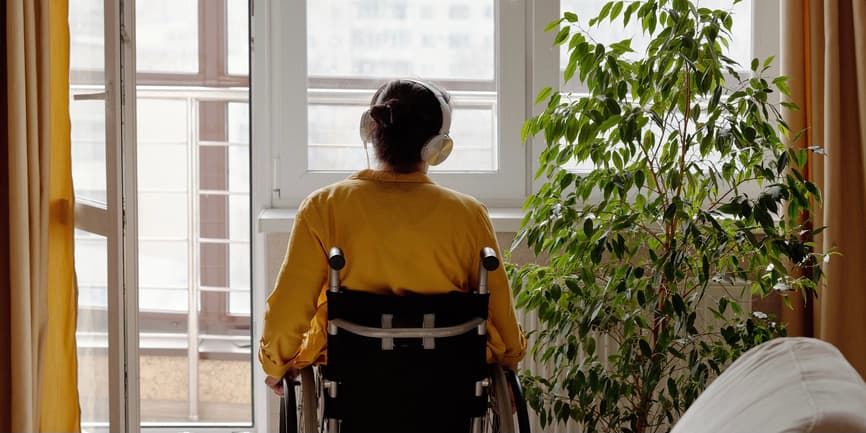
443, 105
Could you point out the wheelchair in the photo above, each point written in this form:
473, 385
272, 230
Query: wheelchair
410, 363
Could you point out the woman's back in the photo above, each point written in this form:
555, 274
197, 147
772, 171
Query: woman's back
401, 232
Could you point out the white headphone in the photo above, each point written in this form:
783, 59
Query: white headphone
438, 147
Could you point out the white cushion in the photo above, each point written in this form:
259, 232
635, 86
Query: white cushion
783, 385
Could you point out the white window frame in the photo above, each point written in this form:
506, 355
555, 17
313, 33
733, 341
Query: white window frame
117, 220
526, 62
279, 30
111, 219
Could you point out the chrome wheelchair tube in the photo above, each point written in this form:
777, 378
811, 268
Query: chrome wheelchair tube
429, 343
331, 387
332, 426
336, 261
480, 386
366, 331
489, 262
387, 320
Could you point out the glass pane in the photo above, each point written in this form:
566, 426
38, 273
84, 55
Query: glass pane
390, 38
162, 120
239, 302
335, 148
239, 218
194, 220
156, 300
163, 265
87, 119
358, 44
741, 39
692, 155
91, 268
87, 116
86, 35
162, 166
164, 379
237, 15
163, 215
239, 168
239, 266
225, 390
330, 148
474, 132
166, 36
91, 264
607, 32
239, 122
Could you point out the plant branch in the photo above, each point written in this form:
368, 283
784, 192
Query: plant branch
685, 130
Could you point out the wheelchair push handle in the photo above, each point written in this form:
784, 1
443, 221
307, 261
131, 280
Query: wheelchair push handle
336, 261
489, 259
489, 262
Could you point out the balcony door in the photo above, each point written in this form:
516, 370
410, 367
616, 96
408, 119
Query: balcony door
160, 135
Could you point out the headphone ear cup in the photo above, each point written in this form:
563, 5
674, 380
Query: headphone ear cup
437, 149
366, 126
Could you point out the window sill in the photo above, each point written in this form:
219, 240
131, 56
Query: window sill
505, 220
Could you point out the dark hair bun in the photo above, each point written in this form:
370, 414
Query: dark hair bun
386, 113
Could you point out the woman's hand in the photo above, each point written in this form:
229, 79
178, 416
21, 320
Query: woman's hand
276, 384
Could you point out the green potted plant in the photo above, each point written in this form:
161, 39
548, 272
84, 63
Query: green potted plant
692, 187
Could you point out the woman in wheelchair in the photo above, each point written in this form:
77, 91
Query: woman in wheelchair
401, 234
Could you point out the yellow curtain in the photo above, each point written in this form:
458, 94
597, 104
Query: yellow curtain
38, 333
824, 53
5, 287
59, 399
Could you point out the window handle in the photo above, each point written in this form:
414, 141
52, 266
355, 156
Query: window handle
98, 96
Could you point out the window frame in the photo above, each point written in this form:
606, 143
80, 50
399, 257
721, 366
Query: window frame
117, 218
108, 218
212, 73
529, 64
212, 38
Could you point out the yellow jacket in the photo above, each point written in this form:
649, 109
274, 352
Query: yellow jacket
400, 233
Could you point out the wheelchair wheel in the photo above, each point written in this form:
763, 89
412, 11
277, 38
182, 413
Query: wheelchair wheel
300, 408
288, 411
519, 401
507, 412
499, 417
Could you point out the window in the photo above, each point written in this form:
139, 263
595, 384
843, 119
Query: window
167, 36
607, 32
458, 12
478, 51
191, 211
351, 47
87, 112
752, 36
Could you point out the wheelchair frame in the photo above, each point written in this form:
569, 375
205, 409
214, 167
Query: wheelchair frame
301, 408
